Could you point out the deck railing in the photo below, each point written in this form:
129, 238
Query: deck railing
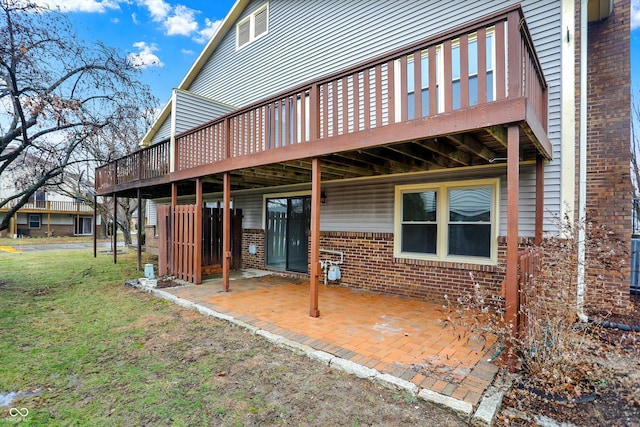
485, 61
54, 206
146, 163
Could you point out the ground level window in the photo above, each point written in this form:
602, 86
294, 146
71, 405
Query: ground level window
34, 221
470, 222
447, 221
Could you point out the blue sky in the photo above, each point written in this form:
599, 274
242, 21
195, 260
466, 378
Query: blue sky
165, 37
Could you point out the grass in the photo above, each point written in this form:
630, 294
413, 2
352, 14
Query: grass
8, 241
94, 352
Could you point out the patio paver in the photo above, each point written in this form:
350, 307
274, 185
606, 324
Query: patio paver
401, 337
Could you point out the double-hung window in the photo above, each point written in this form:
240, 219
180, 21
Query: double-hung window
253, 26
455, 221
34, 221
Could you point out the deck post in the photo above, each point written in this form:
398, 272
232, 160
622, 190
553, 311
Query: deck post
173, 231
315, 237
512, 298
226, 231
139, 238
197, 256
115, 229
174, 194
539, 199
95, 226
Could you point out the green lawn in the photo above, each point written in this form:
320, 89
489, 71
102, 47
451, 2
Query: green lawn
95, 352
8, 241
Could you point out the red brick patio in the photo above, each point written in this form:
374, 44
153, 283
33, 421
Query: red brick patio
397, 336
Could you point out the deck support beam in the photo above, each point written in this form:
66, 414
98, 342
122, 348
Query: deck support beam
539, 199
512, 297
226, 231
140, 228
315, 237
95, 226
197, 256
115, 228
173, 262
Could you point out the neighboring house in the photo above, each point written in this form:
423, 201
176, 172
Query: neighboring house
50, 214
421, 141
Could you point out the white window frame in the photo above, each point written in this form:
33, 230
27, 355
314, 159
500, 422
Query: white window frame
442, 189
252, 27
39, 221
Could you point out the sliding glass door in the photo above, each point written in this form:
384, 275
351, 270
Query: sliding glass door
287, 233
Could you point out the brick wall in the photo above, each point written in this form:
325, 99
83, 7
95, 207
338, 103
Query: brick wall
369, 264
253, 237
609, 188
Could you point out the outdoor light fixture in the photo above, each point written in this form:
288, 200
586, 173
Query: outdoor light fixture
323, 198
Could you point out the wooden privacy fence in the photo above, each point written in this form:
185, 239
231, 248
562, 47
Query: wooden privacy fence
178, 241
212, 238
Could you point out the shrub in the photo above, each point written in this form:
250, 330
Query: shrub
552, 342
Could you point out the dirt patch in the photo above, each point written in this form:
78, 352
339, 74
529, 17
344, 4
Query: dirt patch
167, 282
616, 354
255, 383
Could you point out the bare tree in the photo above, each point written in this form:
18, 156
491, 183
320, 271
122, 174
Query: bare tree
62, 102
115, 140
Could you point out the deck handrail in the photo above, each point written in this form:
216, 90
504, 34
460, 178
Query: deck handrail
52, 206
145, 163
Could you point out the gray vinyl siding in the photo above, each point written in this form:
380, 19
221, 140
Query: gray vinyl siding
309, 39
164, 132
193, 110
152, 213
368, 205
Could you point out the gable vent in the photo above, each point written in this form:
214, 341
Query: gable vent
253, 26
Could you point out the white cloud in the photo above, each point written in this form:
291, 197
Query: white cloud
186, 51
91, 6
182, 22
635, 14
115, 20
159, 9
210, 27
145, 58
179, 20
134, 19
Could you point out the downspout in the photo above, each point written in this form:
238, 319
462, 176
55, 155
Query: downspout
582, 188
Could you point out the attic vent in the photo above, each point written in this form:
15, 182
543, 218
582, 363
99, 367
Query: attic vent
244, 33
261, 22
253, 26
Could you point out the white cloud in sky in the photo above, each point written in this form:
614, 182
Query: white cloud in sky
635, 14
159, 9
91, 6
182, 22
145, 57
207, 32
187, 51
175, 20
179, 20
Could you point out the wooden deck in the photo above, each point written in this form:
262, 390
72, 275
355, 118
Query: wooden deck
426, 106
53, 207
